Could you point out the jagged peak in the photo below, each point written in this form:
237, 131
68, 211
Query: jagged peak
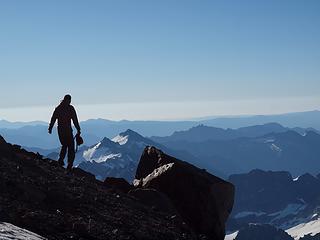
128, 135
106, 142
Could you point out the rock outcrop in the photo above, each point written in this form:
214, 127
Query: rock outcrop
37, 194
118, 184
203, 200
154, 199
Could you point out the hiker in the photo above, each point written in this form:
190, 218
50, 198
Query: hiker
65, 112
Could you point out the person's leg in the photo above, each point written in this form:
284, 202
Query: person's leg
63, 151
71, 155
62, 155
71, 151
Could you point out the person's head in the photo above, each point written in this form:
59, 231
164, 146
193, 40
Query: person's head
67, 99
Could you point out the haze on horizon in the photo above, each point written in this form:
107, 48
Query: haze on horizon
159, 60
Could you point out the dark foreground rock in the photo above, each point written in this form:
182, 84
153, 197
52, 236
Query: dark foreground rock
203, 200
118, 184
38, 195
155, 199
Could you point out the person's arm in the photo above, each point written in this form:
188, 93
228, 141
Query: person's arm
53, 120
75, 120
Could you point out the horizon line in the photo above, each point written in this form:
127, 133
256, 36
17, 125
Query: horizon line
195, 119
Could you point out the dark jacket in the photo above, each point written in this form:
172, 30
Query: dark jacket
65, 113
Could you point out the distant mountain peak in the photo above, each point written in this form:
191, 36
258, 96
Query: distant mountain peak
128, 135
106, 142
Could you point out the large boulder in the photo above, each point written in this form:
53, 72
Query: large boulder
203, 200
154, 199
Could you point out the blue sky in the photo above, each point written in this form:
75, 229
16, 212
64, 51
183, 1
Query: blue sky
159, 59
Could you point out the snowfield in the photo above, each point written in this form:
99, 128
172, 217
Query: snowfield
231, 236
10, 232
312, 228
121, 139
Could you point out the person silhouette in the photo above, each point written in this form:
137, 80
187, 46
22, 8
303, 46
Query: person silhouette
65, 112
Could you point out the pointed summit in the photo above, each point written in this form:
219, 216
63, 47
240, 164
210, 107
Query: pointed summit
128, 135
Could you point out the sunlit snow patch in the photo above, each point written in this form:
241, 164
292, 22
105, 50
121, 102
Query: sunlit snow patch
275, 148
296, 179
291, 209
9, 232
120, 139
231, 236
312, 228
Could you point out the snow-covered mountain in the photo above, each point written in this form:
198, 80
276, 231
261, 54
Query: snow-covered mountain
116, 157
119, 156
309, 230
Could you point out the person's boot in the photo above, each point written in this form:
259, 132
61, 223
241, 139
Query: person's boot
69, 168
61, 162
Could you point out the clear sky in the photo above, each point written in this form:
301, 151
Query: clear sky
167, 59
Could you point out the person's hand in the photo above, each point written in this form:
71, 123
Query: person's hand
49, 130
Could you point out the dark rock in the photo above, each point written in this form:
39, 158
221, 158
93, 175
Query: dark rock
81, 173
119, 184
16, 147
2, 141
203, 200
150, 160
154, 199
262, 232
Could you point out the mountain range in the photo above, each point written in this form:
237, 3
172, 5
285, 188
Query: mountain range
34, 134
268, 147
203, 133
221, 151
119, 156
278, 199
